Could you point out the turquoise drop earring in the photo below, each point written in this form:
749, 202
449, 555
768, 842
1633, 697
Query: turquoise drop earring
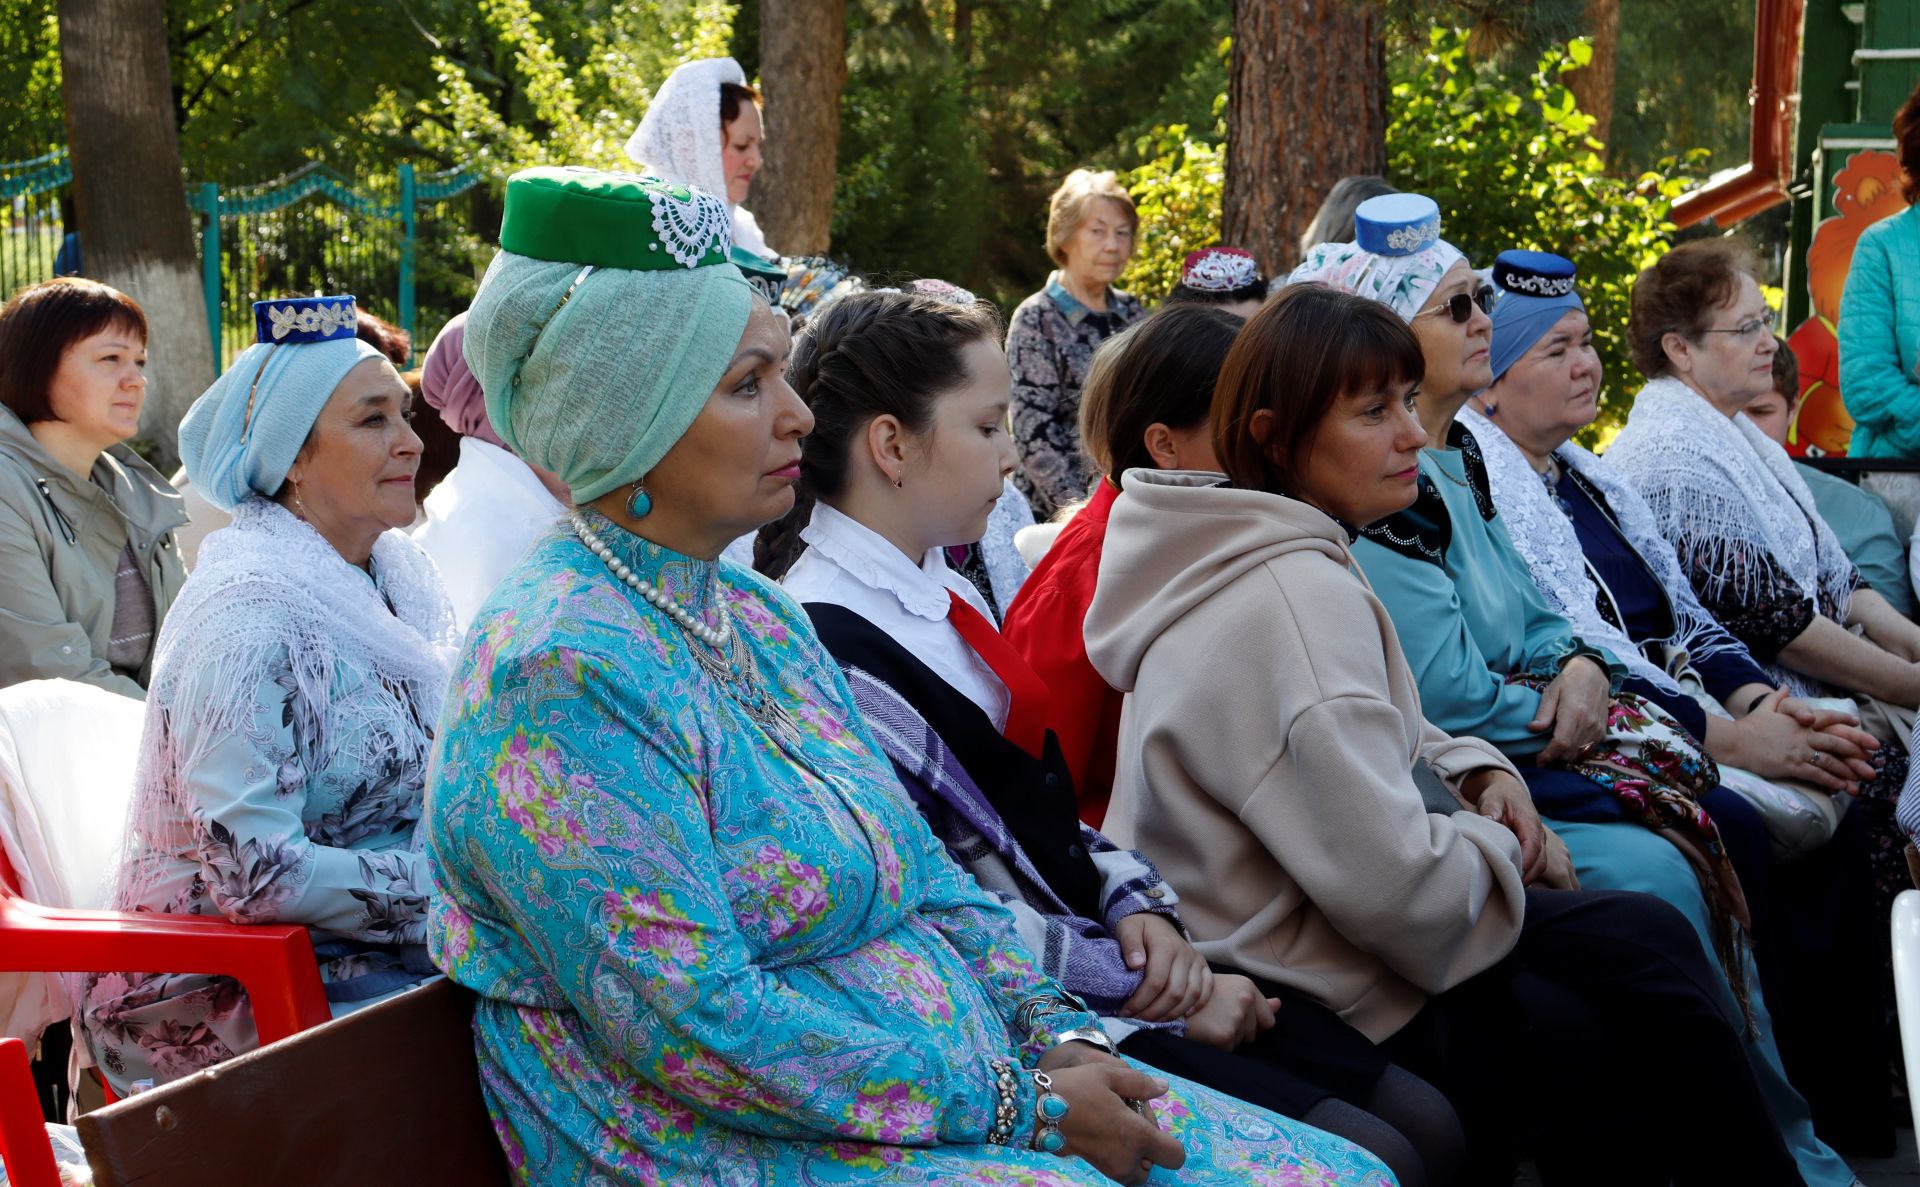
639, 502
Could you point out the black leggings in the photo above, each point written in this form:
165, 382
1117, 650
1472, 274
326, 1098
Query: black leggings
1600, 1045
1817, 940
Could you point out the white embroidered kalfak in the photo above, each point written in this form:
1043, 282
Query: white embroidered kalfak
1546, 538
1728, 498
269, 599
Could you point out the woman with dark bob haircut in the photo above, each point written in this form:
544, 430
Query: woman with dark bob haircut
1275, 765
88, 563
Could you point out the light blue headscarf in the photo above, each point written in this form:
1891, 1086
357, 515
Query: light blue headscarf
230, 455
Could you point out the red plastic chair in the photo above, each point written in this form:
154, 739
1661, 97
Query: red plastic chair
24, 1147
274, 962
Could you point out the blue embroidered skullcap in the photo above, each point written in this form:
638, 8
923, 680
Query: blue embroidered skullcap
1536, 289
242, 435
1397, 224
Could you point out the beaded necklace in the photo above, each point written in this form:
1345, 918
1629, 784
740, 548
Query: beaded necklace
736, 671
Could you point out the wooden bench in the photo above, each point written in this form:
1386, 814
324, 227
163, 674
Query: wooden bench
388, 1095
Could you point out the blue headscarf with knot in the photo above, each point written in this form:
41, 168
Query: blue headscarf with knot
1536, 290
231, 453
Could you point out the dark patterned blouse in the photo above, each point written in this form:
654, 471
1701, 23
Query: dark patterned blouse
1766, 621
1050, 345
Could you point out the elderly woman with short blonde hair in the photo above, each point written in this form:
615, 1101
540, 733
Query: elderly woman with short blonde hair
1050, 342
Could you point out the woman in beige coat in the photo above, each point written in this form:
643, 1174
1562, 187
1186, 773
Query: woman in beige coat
1272, 757
88, 561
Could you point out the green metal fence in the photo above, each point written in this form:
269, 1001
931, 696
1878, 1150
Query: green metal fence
35, 196
314, 231
310, 231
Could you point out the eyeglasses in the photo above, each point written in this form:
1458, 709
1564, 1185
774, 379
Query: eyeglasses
1460, 305
1747, 330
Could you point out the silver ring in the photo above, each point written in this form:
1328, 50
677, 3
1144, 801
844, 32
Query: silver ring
1818, 758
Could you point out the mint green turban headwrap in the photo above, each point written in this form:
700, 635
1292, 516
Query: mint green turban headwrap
605, 322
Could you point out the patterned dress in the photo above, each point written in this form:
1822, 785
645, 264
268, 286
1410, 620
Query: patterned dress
297, 805
1050, 345
715, 944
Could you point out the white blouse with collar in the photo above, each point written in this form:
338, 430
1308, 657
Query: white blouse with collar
850, 565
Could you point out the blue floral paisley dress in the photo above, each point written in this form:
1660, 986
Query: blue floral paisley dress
717, 948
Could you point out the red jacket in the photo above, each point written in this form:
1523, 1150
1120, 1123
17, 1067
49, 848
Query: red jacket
1045, 624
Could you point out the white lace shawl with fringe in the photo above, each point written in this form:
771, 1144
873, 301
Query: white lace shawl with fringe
1727, 496
1547, 540
271, 598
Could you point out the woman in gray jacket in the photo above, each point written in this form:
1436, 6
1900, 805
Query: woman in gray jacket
88, 563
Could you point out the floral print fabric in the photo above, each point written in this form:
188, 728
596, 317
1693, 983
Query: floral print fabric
1050, 345
300, 817
712, 952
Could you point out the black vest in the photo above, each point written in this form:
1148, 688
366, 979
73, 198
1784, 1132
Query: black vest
1034, 796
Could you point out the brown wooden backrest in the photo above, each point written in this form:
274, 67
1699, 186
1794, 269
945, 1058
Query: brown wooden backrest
390, 1094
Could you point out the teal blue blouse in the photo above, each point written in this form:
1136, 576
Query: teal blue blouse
1467, 611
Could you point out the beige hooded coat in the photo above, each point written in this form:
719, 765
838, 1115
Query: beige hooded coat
1267, 749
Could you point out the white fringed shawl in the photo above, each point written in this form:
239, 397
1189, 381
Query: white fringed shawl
1547, 540
1728, 498
271, 599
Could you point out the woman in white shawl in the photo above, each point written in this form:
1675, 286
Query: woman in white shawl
294, 689
703, 129
1748, 535
1593, 550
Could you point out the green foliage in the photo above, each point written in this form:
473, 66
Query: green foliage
960, 117
1177, 192
911, 197
30, 119
1517, 169
1681, 79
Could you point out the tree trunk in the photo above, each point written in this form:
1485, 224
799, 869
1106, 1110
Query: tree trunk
803, 66
130, 195
1592, 84
1306, 106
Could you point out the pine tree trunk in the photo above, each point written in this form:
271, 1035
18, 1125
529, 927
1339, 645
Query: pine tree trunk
130, 195
803, 66
1306, 106
1592, 84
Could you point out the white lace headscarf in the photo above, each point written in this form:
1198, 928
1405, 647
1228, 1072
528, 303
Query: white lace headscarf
271, 599
1727, 495
1546, 539
679, 137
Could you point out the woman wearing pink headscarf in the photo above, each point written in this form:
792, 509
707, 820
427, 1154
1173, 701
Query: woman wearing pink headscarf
483, 515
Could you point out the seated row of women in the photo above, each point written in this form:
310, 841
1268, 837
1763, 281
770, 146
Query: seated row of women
758, 884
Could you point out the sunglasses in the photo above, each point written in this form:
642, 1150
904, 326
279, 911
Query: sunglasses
1460, 305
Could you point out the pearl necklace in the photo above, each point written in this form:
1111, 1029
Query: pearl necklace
729, 663
689, 622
